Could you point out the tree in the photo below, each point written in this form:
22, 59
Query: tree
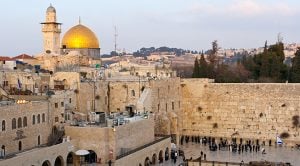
196, 71
203, 69
295, 70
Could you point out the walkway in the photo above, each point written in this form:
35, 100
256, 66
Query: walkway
275, 154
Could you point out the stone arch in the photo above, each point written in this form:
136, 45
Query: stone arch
160, 157
147, 161
167, 154
46, 163
59, 161
91, 157
154, 158
71, 159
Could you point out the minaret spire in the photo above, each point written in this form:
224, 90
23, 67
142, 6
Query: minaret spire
79, 20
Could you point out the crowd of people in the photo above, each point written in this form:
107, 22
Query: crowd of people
224, 144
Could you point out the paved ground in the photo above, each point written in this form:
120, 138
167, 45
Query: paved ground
276, 154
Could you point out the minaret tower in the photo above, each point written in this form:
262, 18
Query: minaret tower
51, 32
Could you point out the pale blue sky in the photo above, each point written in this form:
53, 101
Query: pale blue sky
188, 24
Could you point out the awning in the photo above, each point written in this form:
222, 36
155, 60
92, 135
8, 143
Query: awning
82, 152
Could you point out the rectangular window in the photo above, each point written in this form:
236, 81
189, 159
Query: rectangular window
56, 105
62, 104
56, 119
158, 107
70, 100
172, 105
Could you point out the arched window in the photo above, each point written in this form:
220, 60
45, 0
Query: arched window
39, 140
13, 123
2, 151
132, 93
39, 118
43, 117
19, 122
25, 121
20, 145
3, 125
33, 119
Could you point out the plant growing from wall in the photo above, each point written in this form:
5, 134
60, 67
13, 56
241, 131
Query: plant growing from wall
284, 135
215, 125
261, 114
76, 91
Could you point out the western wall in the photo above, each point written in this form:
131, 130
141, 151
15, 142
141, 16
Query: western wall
246, 110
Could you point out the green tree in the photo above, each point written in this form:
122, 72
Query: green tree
295, 70
196, 71
203, 70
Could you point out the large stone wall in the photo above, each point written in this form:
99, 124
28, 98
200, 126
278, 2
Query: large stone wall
249, 111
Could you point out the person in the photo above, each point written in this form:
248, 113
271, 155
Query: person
204, 156
175, 157
109, 163
263, 151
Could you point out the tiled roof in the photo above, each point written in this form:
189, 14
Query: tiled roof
23, 56
5, 58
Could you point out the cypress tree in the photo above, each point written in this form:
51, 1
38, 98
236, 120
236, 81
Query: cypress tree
203, 67
196, 71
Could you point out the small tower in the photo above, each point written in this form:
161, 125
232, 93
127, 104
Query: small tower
51, 32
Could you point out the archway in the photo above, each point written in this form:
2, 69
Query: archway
91, 157
167, 154
46, 163
161, 157
147, 162
59, 161
70, 159
154, 158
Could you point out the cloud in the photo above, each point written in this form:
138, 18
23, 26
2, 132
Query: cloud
243, 8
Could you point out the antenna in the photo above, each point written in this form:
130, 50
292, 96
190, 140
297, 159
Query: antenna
116, 36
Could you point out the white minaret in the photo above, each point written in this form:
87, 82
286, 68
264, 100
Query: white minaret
51, 32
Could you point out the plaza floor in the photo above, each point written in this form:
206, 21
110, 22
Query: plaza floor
274, 154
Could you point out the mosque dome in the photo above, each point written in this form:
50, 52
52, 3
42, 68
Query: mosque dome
51, 9
80, 37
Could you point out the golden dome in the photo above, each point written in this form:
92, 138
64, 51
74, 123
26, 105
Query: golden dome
80, 36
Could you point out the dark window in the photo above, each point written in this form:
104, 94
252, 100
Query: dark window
56, 119
39, 118
166, 106
3, 125
25, 121
173, 106
43, 117
13, 123
158, 107
19, 122
56, 105
39, 140
62, 104
132, 93
20, 145
33, 119
105, 100
70, 100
